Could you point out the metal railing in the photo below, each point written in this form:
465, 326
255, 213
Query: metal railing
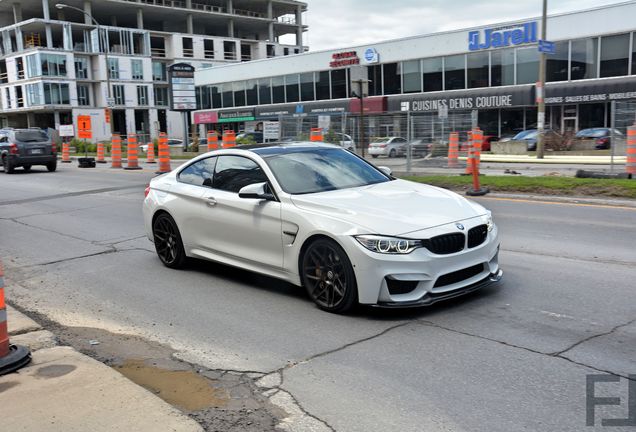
230, 55
287, 19
158, 52
208, 54
188, 52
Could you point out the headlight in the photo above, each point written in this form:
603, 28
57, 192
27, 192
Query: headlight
487, 219
388, 245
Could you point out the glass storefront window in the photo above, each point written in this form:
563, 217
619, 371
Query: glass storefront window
238, 88
323, 85
278, 89
488, 121
531, 118
477, 69
634, 54
557, 63
584, 59
411, 76
455, 72
339, 84
264, 91
159, 72
227, 94
432, 70
527, 65
375, 80
614, 55
292, 86
391, 79
511, 121
215, 95
502, 67
251, 92
591, 115
307, 86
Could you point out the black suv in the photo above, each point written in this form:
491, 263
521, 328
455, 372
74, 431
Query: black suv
26, 147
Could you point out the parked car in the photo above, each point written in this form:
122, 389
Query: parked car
25, 148
172, 142
351, 233
256, 136
387, 146
602, 136
553, 139
345, 141
419, 148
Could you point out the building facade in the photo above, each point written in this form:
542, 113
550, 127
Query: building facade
489, 71
53, 59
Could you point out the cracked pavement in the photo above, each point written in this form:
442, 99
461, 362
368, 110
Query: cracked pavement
511, 357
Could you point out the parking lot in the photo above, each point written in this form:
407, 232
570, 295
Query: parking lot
510, 357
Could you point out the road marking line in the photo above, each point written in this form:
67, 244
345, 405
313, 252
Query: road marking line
556, 203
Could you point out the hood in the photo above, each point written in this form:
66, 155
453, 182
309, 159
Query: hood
394, 208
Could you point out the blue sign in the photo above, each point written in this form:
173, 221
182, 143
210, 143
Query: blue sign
371, 55
300, 109
546, 47
503, 37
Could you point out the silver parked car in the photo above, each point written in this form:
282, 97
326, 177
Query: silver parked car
387, 146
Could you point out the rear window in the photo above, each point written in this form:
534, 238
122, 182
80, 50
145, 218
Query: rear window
31, 136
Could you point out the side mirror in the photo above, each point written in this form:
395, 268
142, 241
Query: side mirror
386, 170
256, 191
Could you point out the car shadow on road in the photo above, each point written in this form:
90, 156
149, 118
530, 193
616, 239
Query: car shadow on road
282, 288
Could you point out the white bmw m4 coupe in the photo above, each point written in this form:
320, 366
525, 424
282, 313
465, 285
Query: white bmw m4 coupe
321, 217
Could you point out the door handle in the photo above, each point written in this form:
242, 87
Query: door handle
210, 201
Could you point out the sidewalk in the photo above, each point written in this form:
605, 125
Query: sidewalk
63, 390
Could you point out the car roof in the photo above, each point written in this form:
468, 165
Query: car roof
287, 147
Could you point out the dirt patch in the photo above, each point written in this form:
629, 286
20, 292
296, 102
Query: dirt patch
219, 400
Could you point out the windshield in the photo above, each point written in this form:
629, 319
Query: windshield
380, 140
322, 169
31, 136
525, 134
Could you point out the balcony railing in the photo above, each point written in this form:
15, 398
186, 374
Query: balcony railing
287, 19
188, 52
208, 54
158, 52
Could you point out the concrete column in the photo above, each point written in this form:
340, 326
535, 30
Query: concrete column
46, 13
140, 19
88, 8
17, 12
271, 32
299, 24
230, 28
31, 119
189, 4
270, 9
230, 7
190, 24
56, 119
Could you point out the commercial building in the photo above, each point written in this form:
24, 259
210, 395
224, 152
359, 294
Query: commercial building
53, 59
488, 72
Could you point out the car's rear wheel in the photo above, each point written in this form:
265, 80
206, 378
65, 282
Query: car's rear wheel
8, 165
168, 242
374, 156
51, 166
26, 167
328, 276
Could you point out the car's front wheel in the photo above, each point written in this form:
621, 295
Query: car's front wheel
374, 156
168, 242
328, 276
9, 168
51, 166
392, 153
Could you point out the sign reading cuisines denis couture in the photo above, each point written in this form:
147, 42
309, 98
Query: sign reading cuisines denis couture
503, 36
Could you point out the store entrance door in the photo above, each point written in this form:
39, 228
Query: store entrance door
570, 120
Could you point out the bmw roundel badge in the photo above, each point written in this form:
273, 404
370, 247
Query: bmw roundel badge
459, 226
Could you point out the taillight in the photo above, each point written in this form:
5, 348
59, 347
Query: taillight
602, 141
53, 148
13, 149
146, 191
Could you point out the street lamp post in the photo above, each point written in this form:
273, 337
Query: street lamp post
541, 88
109, 90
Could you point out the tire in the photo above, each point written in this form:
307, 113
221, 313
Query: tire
51, 166
168, 242
392, 153
328, 277
26, 168
9, 168
374, 156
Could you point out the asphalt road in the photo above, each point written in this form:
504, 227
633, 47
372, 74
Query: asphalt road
511, 357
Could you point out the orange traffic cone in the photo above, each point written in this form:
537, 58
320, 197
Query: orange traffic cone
100, 153
316, 135
229, 139
150, 154
115, 151
453, 149
12, 357
66, 152
164, 154
133, 153
213, 141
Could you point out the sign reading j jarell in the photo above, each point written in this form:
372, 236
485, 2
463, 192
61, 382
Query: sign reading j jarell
503, 36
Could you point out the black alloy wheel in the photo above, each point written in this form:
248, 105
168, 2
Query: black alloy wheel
168, 242
328, 276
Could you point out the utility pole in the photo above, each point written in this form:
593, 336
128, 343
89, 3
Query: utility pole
362, 84
541, 87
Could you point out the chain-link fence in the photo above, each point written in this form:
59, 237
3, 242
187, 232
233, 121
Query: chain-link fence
623, 116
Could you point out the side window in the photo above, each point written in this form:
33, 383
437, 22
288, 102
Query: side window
199, 173
234, 172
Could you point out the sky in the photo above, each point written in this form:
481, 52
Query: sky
344, 23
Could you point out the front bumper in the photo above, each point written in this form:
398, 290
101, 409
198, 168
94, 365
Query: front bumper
430, 298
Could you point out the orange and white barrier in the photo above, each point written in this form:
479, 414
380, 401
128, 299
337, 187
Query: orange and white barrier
12, 357
115, 151
164, 154
316, 135
150, 154
66, 152
213, 141
630, 164
101, 154
453, 149
133, 153
229, 139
